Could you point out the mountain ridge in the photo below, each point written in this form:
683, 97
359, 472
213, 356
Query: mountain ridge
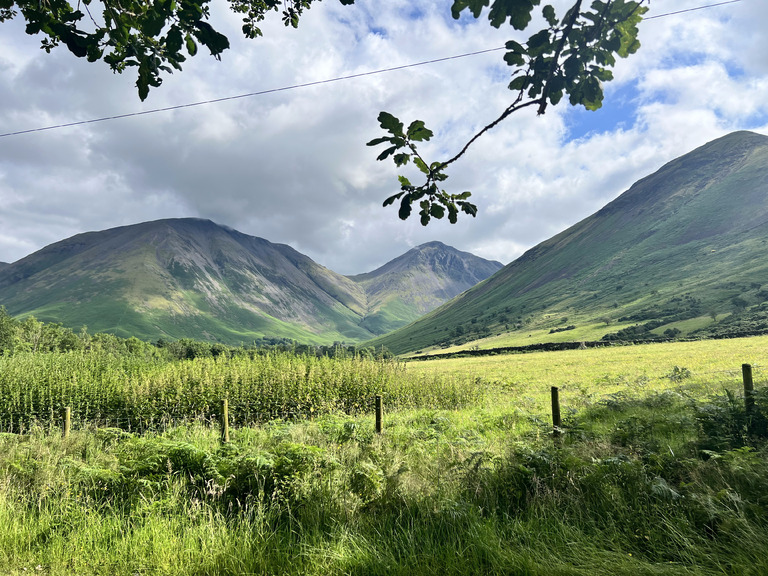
419, 277
183, 277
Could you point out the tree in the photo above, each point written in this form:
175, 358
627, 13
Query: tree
571, 56
8, 329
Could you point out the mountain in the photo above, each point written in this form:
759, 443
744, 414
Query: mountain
419, 281
681, 250
193, 278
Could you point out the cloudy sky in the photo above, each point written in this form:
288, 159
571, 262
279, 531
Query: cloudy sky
291, 166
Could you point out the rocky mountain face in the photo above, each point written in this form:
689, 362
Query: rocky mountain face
419, 281
193, 278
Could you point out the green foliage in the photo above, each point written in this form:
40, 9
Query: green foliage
562, 329
572, 57
8, 329
726, 425
743, 322
638, 496
433, 201
679, 374
30, 335
154, 37
141, 392
151, 37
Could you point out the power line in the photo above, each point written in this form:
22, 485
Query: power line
305, 85
250, 94
691, 9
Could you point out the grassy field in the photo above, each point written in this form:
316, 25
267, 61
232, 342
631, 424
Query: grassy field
584, 376
655, 473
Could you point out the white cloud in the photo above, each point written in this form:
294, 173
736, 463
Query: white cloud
292, 166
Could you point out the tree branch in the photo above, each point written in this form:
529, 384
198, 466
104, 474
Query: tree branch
575, 12
514, 107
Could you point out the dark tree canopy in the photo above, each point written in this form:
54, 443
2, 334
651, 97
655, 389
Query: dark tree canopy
571, 56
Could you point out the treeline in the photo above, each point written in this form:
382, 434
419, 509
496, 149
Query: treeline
32, 335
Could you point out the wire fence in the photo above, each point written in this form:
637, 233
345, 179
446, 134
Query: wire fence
76, 391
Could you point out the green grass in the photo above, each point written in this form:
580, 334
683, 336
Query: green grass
140, 393
389, 316
654, 474
328, 497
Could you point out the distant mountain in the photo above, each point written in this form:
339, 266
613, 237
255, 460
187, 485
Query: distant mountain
682, 249
419, 281
193, 278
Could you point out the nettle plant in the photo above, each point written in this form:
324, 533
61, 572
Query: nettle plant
571, 57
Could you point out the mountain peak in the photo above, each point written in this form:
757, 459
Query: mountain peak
191, 277
420, 280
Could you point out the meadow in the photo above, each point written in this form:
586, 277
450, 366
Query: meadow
657, 471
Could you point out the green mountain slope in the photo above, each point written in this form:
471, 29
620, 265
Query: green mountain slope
193, 278
419, 281
682, 248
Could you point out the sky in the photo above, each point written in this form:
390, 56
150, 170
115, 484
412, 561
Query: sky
291, 166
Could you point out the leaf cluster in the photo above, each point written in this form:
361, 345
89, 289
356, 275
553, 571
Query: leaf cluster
433, 202
153, 37
571, 56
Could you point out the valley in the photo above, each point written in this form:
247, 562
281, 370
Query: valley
186, 455
682, 252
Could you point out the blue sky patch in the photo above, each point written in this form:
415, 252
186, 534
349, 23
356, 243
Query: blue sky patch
619, 111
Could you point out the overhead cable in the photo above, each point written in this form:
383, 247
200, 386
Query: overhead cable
305, 85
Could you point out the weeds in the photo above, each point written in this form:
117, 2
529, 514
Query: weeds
139, 394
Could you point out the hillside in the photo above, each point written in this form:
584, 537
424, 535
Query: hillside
419, 281
682, 249
193, 278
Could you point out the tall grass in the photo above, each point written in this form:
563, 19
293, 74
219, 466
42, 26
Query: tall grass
138, 394
661, 479
441, 492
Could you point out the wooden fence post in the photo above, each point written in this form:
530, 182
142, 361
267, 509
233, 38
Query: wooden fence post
749, 395
556, 422
379, 414
67, 422
225, 420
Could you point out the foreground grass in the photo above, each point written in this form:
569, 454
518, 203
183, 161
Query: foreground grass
655, 473
663, 484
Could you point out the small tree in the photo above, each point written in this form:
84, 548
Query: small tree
8, 330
